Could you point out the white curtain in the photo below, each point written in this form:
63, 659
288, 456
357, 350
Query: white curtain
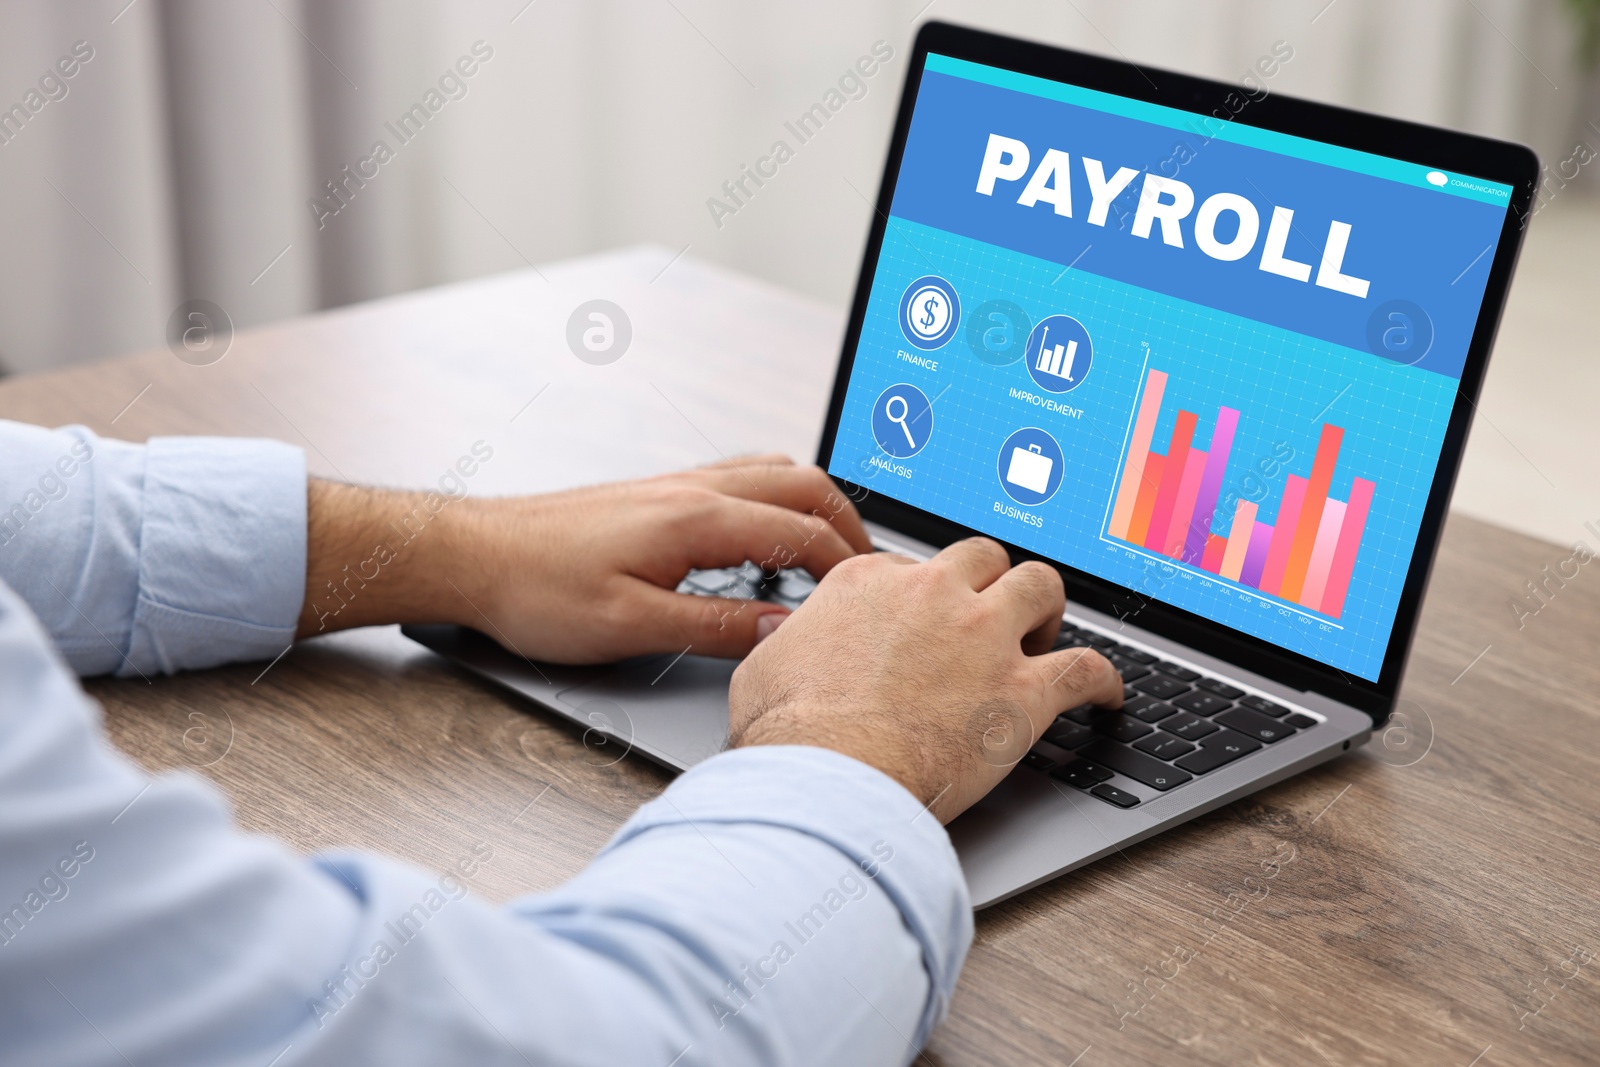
182, 157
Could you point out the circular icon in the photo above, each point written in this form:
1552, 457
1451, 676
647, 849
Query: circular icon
1059, 353
997, 332
599, 332
199, 332
1030, 466
902, 420
207, 739
1006, 733
609, 736
1438, 177
929, 312
1400, 332
1406, 737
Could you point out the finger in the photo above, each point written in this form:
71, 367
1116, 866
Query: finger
705, 626
752, 459
807, 489
732, 531
1076, 676
978, 560
1032, 597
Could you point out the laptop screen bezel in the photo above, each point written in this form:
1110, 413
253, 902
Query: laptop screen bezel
1500, 161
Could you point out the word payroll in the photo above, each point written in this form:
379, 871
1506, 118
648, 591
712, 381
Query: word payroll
1167, 201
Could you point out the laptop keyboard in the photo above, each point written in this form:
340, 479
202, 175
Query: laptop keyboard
1176, 723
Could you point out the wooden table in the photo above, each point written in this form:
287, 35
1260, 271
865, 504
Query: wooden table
1430, 899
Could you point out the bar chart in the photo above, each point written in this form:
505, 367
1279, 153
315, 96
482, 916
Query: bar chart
1058, 359
1168, 503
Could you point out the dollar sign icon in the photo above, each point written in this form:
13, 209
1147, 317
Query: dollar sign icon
929, 312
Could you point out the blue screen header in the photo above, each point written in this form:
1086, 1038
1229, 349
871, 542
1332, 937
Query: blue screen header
1317, 239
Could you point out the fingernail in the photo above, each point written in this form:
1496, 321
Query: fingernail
768, 623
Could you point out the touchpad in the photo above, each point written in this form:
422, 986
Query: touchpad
672, 709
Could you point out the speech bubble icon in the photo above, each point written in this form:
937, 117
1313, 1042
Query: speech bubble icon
1438, 177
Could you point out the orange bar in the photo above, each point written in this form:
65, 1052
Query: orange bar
1305, 530
1216, 545
1146, 502
1244, 521
1144, 427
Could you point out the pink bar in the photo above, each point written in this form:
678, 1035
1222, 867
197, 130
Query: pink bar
1344, 555
1144, 428
1244, 522
1322, 553
1215, 547
1294, 494
1171, 479
1194, 469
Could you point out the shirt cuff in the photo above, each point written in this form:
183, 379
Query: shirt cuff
222, 552
858, 810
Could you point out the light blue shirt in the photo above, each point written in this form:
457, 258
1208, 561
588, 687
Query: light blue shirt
774, 905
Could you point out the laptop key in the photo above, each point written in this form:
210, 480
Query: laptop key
1136, 765
1116, 796
1038, 761
1100, 641
1067, 734
1221, 688
1217, 751
1154, 712
1081, 773
1164, 746
1121, 728
1161, 687
1264, 706
1083, 714
1253, 724
1138, 655
1128, 668
1201, 702
1301, 722
1188, 727
1054, 753
1134, 701
1182, 674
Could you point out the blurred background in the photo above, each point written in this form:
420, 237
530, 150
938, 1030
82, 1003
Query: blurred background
200, 150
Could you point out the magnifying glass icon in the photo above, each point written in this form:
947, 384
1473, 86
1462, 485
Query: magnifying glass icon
905, 409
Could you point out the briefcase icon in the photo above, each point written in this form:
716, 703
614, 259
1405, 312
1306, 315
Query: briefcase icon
1030, 469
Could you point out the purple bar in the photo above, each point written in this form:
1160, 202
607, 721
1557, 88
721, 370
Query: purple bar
1255, 557
1194, 544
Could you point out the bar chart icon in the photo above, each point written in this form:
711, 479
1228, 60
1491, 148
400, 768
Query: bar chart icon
1060, 353
1167, 502
1058, 359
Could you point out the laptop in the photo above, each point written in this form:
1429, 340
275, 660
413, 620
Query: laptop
1209, 351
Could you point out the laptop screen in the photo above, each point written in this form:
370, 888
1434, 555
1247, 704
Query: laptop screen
1207, 361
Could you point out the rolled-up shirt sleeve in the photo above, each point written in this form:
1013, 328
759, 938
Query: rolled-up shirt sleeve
780, 906
179, 554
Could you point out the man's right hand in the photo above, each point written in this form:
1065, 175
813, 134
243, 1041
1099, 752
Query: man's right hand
936, 673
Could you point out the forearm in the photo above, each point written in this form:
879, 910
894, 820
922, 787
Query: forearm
378, 556
773, 907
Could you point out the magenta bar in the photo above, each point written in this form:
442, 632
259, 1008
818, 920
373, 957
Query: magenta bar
1194, 544
1255, 558
1344, 553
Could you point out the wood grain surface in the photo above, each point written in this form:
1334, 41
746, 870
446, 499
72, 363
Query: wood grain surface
1428, 900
